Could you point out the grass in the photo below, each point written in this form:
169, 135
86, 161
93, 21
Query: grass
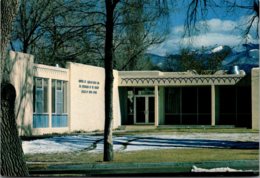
148, 156
187, 155
161, 131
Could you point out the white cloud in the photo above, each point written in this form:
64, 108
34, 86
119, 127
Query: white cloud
167, 47
220, 32
177, 30
210, 39
217, 25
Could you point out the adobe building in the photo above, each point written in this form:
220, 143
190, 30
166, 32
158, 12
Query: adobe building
58, 100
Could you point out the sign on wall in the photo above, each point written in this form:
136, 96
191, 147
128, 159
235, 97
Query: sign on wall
89, 86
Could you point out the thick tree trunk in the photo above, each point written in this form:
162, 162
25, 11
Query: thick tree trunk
108, 139
8, 11
12, 158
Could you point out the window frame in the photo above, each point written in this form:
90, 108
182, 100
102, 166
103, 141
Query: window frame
55, 102
43, 90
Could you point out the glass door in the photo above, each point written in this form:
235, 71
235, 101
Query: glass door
144, 110
150, 109
140, 110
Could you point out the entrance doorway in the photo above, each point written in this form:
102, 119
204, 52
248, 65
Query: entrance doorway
144, 109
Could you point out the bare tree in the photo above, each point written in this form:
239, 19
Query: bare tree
30, 19
136, 32
251, 24
113, 19
109, 56
12, 158
51, 30
198, 10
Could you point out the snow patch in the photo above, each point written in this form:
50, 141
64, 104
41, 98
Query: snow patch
59, 144
221, 169
254, 53
94, 144
217, 49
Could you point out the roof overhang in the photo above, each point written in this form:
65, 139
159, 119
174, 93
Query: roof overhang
175, 79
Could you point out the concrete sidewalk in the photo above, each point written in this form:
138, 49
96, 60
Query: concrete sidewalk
247, 167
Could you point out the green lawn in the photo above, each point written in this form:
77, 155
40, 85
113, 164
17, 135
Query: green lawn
161, 131
148, 156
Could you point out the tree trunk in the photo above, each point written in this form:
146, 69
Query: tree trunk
108, 139
12, 158
8, 11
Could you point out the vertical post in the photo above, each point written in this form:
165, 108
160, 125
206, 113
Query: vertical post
197, 109
255, 85
156, 105
134, 109
161, 105
213, 105
49, 102
255, 97
146, 101
181, 105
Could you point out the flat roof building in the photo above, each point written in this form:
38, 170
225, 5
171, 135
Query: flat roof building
56, 100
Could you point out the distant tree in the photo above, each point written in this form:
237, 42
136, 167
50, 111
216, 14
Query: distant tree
189, 61
28, 27
138, 31
52, 30
199, 60
12, 158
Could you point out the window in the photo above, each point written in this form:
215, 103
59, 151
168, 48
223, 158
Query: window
187, 105
173, 105
40, 106
59, 103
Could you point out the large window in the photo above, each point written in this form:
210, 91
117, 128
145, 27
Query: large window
59, 103
235, 106
40, 106
173, 106
187, 105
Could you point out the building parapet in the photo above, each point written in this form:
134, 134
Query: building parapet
45, 71
147, 78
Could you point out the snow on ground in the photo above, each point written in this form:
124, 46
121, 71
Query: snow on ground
221, 169
94, 144
59, 144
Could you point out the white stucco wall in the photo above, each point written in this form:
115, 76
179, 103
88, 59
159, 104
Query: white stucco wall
255, 97
116, 102
20, 68
87, 98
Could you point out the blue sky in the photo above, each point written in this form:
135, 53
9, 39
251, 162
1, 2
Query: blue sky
224, 28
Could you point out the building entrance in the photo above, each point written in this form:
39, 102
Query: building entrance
144, 109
